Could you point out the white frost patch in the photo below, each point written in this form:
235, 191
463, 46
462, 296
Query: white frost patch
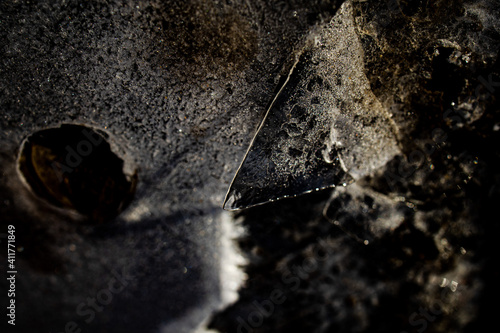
231, 278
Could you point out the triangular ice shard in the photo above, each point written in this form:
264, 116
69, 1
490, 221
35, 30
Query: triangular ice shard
324, 127
286, 156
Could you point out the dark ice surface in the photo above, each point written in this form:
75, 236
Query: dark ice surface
324, 128
399, 100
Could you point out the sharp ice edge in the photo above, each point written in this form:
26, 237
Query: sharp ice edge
229, 193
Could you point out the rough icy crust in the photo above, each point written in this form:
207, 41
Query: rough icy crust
325, 127
181, 86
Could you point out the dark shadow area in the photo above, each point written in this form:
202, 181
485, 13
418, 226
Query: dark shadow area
74, 167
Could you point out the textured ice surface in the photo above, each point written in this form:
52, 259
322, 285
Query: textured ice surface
185, 117
325, 127
181, 86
